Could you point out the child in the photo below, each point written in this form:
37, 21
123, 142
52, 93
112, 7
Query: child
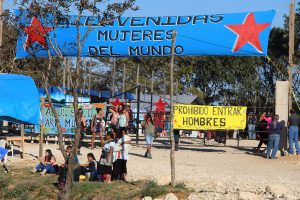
121, 152
90, 169
47, 164
106, 158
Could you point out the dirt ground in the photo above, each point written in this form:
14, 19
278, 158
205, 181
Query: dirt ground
214, 171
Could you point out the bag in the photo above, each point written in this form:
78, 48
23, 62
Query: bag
104, 154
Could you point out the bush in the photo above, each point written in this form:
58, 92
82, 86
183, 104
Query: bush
153, 190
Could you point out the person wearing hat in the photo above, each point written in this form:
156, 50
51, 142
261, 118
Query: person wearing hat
293, 123
251, 126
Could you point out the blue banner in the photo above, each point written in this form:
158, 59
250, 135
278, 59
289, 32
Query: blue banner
239, 34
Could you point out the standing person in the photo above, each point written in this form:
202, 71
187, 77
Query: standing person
149, 134
47, 164
251, 126
82, 130
262, 132
114, 118
123, 120
90, 169
274, 137
121, 152
97, 127
106, 158
293, 123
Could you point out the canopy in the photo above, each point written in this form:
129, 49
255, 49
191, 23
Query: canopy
19, 99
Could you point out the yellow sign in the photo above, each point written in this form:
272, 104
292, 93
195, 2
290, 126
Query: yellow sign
194, 117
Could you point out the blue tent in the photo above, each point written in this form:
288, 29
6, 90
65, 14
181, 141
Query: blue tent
19, 99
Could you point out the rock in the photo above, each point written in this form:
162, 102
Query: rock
289, 197
171, 196
276, 190
158, 199
147, 198
249, 196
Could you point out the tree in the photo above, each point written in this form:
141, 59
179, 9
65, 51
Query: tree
50, 12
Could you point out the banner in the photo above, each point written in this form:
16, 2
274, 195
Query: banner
66, 118
237, 34
194, 117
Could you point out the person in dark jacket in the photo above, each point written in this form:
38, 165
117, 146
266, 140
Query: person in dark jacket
274, 137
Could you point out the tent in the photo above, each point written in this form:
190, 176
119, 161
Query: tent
19, 99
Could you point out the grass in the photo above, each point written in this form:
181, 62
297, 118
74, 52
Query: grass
21, 184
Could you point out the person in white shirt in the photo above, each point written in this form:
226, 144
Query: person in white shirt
121, 152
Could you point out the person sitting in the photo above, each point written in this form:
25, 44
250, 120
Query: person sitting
90, 169
105, 166
47, 164
62, 177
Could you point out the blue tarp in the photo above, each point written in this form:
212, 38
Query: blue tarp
3, 152
19, 99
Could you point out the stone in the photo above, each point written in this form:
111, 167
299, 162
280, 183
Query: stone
249, 196
147, 198
171, 196
276, 190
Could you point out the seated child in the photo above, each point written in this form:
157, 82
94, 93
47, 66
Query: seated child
90, 169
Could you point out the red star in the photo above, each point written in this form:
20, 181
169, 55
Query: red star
35, 33
247, 32
160, 106
117, 102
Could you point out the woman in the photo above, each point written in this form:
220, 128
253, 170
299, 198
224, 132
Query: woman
262, 135
121, 152
97, 127
82, 129
106, 158
149, 134
90, 169
47, 164
114, 118
123, 120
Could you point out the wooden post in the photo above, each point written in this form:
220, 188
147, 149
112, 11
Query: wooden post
64, 74
137, 78
1, 23
172, 153
41, 148
22, 141
291, 49
124, 79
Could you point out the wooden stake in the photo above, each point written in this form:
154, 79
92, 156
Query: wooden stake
124, 79
172, 153
291, 49
114, 78
22, 142
1, 23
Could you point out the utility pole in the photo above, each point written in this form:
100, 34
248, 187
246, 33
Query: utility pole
172, 154
114, 78
124, 79
291, 50
1, 22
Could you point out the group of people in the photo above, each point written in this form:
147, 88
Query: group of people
269, 131
120, 119
112, 164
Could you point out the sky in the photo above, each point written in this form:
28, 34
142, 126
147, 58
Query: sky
198, 7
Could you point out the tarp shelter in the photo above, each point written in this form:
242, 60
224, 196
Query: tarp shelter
19, 99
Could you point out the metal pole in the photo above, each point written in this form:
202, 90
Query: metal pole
90, 76
138, 114
172, 153
137, 78
22, 142
124, 79
114, 78
64, 75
